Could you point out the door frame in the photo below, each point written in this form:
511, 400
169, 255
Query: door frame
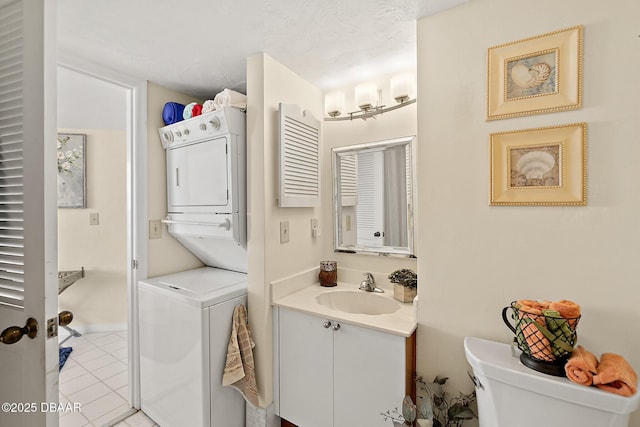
137, 268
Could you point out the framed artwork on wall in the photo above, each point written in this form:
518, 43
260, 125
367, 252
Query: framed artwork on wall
539, 167
540, 74
72, 173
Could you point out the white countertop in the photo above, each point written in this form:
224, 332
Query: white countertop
401, 322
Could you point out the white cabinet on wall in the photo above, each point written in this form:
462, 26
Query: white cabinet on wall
330, 373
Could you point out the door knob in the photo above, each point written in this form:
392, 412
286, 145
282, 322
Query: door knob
376, 234
64, 318
336, 326
13, 334
326, 323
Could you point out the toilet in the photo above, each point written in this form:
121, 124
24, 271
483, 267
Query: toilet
510, 394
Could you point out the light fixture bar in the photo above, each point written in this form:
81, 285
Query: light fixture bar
369, 113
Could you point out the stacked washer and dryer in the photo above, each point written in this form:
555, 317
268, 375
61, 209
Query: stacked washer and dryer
186, 318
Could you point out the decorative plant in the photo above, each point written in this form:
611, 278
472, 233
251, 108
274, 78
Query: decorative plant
437, 408
404, 277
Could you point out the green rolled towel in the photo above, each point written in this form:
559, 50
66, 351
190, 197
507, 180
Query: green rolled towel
564, 335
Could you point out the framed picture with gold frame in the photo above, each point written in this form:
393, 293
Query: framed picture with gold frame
539, 167
540, 74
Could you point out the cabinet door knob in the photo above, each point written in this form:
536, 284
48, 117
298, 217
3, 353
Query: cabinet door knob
336, 326
326, 324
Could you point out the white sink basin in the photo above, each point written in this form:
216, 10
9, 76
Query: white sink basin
358, 302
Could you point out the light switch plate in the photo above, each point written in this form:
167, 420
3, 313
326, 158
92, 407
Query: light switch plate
94, 218
155, 229
284, 231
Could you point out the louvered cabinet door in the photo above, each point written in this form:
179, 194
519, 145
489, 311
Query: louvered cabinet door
300, 138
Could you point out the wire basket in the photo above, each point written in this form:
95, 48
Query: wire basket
546, 339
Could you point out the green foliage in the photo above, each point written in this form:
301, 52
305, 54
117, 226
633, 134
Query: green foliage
404, 277
435, 405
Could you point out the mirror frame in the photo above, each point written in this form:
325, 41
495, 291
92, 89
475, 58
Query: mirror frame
408, 251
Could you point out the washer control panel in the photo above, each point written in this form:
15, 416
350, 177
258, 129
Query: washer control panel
197, 128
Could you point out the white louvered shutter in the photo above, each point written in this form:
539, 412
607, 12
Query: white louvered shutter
370, 209
11, 156
349, 179
299, 158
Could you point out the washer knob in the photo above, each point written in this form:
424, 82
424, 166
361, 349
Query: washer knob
167, 136
186, 131
215, 122
203, 126
178, 133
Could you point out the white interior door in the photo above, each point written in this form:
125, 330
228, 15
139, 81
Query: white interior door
28, 241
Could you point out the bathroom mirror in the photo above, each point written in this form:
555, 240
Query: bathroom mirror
373, 197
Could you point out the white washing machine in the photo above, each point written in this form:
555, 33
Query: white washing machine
185, 324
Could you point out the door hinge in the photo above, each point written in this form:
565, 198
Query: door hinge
134, 264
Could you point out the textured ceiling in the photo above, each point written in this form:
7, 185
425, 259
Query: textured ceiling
200, 46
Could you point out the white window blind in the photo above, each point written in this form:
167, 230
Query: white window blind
11, 156
299, 158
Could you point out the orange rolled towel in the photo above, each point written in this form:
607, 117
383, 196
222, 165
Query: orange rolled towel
615, 375
567, 309
581, 366
539, 346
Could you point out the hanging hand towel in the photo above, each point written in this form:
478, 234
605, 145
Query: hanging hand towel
581, 366
615, 375
172, 113
231, 98
239, 369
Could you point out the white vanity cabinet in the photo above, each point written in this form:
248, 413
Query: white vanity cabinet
329, 373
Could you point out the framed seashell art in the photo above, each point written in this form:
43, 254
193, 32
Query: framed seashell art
540, 74
539, 167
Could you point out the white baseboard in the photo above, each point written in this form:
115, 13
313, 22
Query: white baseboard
93, 328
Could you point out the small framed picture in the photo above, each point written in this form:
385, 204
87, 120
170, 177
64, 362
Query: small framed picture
539, 167
537, 75
72, 183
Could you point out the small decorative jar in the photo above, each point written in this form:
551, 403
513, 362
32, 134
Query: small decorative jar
328, 273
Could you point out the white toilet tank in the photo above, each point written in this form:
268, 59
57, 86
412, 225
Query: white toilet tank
510, 394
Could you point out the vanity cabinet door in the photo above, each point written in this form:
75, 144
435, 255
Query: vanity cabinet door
306, 369
369, 375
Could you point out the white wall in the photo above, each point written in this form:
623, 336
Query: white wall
100, 299
166, 255
394, 124
474, 259
269, 83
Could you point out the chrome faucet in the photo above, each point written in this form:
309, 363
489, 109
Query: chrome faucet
369, 284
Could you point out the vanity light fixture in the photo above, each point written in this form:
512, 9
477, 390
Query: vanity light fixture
368, 99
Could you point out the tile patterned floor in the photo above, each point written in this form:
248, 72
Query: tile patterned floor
95, 375
138, 419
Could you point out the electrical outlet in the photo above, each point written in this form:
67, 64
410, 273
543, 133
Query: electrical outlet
284, 231
155, 229
94, 218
